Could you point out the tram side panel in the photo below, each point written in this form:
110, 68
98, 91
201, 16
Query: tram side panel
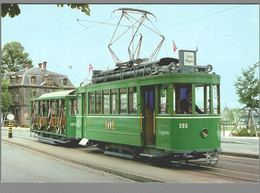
164, 133
185, 134
121, 130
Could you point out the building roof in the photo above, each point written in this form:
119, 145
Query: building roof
25, 75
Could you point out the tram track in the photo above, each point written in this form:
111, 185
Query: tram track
240, 162
221, 171
227, 164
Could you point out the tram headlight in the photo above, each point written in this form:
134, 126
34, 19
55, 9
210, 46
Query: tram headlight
209, 68
174, 66
204, 133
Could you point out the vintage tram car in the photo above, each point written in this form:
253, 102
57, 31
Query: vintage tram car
53, 116
136, 110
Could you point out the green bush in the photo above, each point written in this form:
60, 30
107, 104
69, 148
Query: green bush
245, 132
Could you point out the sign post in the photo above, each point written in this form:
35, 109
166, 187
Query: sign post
10, 117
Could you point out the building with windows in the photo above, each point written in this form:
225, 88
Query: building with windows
31, 83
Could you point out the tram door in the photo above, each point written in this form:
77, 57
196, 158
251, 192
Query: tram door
149, 107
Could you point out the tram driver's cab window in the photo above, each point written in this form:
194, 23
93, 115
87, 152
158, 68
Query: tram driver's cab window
202, 97
216, 99
182, 97
183, 100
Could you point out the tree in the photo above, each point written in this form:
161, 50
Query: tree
247, 87
6, 100
230, 116
82, 7
13, 9
14, 58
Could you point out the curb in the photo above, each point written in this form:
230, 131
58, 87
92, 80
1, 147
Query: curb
240, 155
130, 176
237, 142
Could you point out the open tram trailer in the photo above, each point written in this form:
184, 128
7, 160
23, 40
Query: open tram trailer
53, 116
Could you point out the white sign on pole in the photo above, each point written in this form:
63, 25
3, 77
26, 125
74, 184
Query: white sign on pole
10, 117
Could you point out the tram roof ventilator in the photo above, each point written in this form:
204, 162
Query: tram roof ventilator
143, 67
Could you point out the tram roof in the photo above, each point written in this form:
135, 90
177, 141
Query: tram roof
57, 94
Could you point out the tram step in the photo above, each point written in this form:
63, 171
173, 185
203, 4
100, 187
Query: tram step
51, 141
119, 154
149, 155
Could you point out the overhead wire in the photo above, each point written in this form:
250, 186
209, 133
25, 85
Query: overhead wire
102, 22
161, 28
196, 18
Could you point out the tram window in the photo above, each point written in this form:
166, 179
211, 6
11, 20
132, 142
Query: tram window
35, 109
63, 107
113, 101
85, 104
179, 97
98, 102
132, 99
163, 100
215, 98
52, 109
91, 103
79, 104
202, 100
43, 109
72, 109
123, 101
62, 113
106, 102
33, 112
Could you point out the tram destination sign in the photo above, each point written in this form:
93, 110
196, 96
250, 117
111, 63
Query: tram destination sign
187, 60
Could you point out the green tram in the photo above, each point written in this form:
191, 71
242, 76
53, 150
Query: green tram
136, 110
53, 116
167, 108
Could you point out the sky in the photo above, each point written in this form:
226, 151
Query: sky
227, 37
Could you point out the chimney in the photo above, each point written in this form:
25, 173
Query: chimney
44, 65
27, 66
40, 65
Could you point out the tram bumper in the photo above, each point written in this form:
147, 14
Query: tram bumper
211, 155
212, 158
